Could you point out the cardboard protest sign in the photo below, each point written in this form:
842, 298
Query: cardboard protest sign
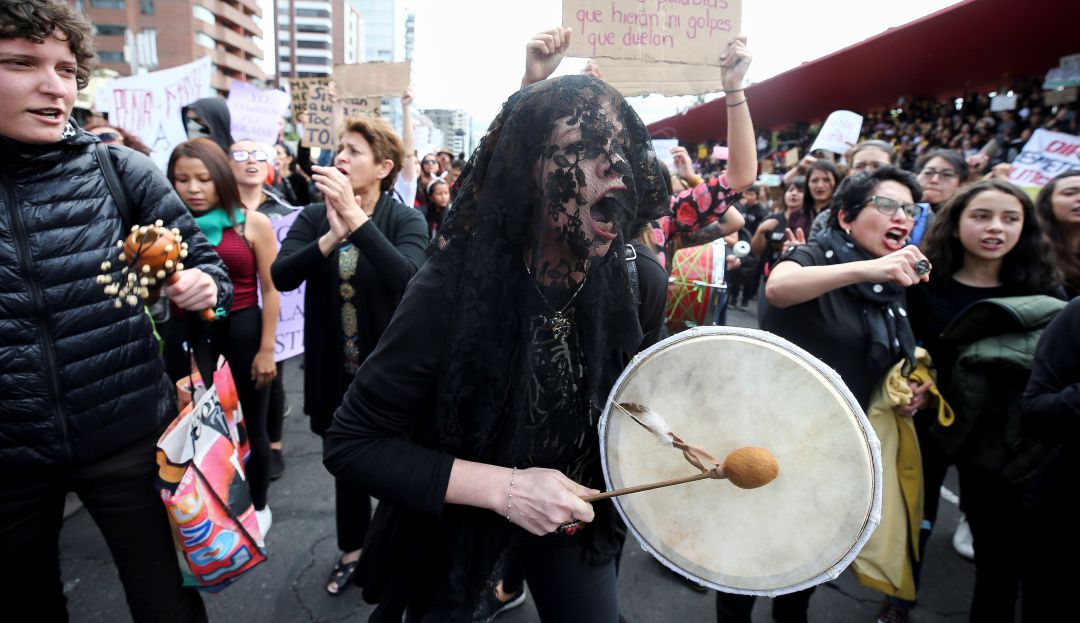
319, 127
149, 105
694, 32
349, 107
373, 79
840, 132
1058, 97
298, 91
256, 114
1045, 155
663, 147
325, 112
791, 157
643, 77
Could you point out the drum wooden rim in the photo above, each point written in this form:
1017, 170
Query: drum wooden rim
860, 521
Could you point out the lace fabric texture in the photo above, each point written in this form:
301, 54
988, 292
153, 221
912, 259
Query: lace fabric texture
564, 178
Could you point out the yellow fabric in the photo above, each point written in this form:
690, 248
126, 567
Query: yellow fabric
884, 564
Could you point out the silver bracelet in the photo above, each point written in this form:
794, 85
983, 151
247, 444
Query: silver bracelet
510, 498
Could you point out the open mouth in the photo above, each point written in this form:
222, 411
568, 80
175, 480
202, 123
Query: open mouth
992, 244
343, 171
602, 214
896, 237
53, 115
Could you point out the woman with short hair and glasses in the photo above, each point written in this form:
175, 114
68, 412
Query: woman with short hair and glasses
840, 296
866, 156
940, 173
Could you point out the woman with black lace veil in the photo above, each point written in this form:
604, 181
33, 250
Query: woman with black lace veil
477, 430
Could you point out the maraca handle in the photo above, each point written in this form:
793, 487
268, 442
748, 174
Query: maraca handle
206, 314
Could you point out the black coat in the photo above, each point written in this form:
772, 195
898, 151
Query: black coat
79, 378
389, 255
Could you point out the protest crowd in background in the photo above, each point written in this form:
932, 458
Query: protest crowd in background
450, 366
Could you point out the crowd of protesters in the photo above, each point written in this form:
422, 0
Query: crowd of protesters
464, 321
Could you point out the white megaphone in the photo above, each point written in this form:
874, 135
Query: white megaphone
741, 249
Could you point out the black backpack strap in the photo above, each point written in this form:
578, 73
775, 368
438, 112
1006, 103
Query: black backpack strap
108, 169
631, 270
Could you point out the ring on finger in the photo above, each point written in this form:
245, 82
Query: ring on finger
570, 528
922, 267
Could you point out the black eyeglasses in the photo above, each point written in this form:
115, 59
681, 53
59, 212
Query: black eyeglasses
888, 207
243, 155
429, 162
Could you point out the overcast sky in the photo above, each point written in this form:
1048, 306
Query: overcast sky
469, 54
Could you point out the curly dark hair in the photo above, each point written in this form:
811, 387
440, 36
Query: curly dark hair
37, 20
1025, 268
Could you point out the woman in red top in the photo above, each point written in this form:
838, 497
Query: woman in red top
199, 171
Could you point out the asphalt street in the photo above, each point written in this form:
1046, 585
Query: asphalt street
289, 587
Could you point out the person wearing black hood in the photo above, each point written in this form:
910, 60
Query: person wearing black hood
82, 381
475, 424
209, 118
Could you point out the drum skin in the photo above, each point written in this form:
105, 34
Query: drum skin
723, 388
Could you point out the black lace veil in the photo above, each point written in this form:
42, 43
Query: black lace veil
508, 393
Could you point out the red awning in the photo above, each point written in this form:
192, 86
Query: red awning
974, 45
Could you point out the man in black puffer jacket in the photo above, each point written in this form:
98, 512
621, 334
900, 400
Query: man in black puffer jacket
83, 391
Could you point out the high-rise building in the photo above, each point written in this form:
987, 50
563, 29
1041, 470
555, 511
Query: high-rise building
136, 36
384, 29
315, 35
456, 128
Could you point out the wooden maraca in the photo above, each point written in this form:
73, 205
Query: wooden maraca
151, 257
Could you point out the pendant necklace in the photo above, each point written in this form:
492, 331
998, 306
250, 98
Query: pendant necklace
559, 323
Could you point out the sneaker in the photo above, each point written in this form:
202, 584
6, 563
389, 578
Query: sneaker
493, 607
265, 519
891, 613
277, 464
962, 541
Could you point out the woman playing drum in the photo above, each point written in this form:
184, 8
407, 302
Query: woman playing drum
474, 421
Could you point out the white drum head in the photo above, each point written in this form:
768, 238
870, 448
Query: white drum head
724, 388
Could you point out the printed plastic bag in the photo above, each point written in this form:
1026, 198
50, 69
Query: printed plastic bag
201, 480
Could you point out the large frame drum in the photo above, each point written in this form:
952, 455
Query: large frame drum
723, 388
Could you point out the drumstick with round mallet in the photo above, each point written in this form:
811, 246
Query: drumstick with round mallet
746, 468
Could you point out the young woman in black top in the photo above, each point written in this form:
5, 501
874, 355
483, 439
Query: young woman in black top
986, 242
